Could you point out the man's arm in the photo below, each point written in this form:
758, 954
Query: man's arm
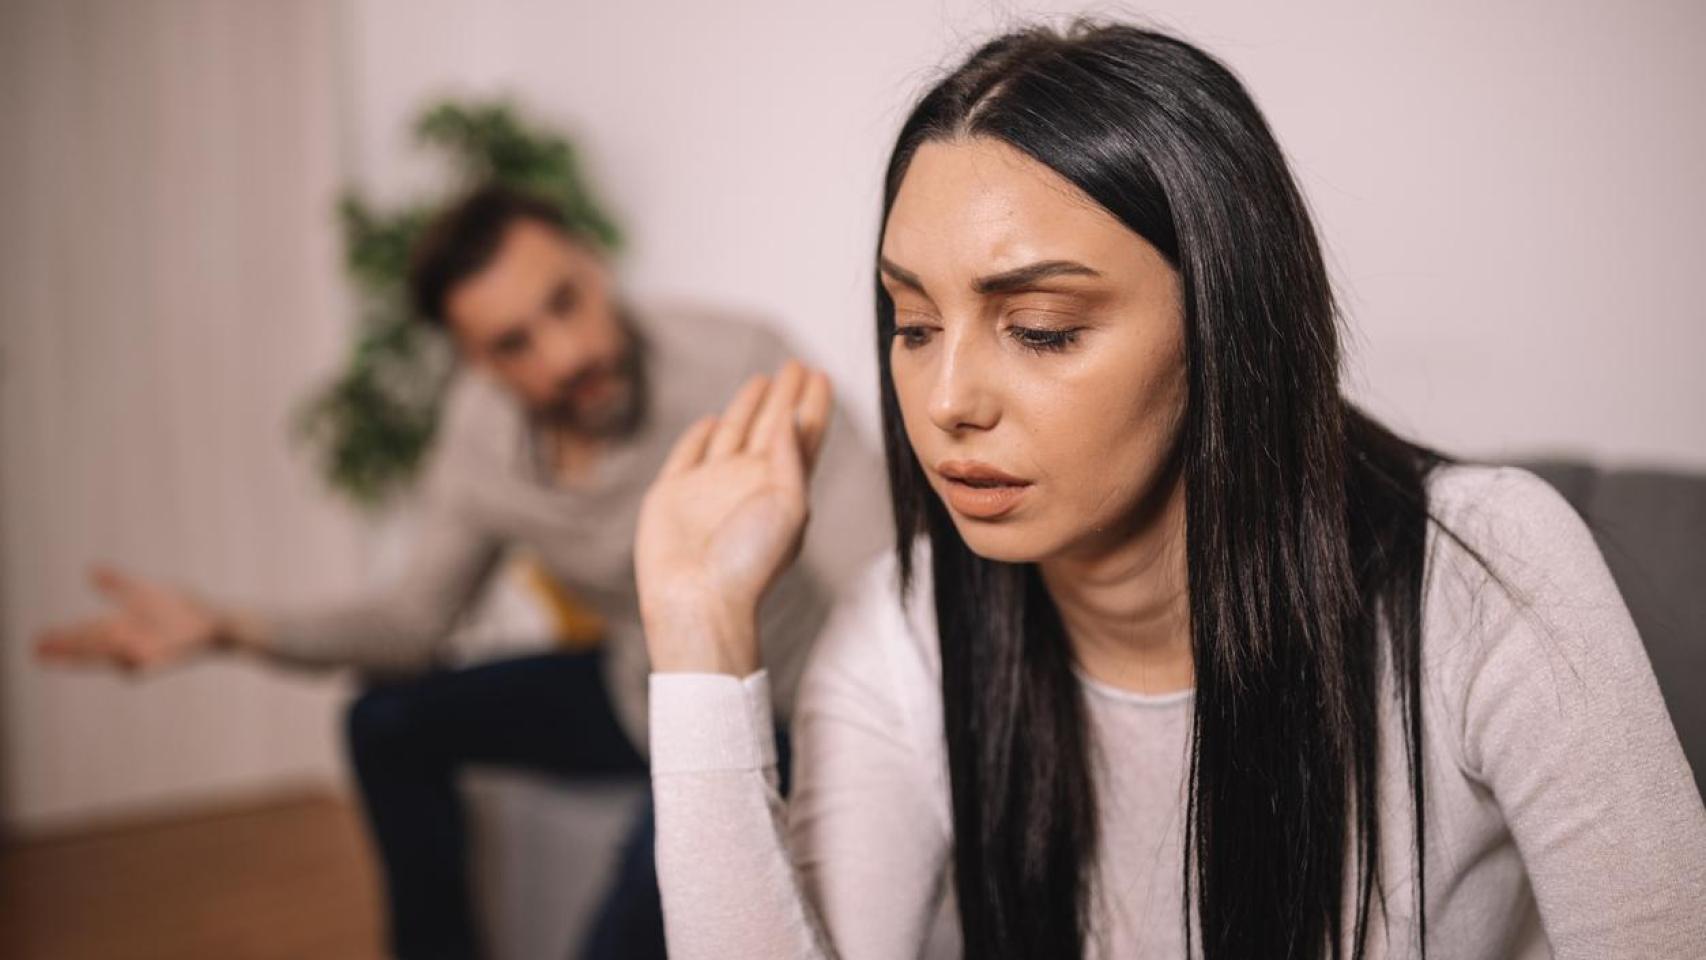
151, 624
396, 627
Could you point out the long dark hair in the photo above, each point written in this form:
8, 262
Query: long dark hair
1305, 520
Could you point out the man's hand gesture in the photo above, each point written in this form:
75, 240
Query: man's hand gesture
149, 625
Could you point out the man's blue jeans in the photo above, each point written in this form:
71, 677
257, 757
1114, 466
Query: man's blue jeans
548, 713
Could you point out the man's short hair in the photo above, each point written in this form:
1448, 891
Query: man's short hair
462, 240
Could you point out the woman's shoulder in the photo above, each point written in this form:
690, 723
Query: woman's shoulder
1505, 525
1496, 503
1520, 611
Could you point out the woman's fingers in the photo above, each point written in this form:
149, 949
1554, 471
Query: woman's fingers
778, 405
796, 433
813, 417
791, 407
736, 422
690, 447
782, 448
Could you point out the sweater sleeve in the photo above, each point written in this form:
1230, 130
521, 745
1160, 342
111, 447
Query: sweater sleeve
1562, 719
849, 866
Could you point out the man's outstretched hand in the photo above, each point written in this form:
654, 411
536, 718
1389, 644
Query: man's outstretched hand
149, 625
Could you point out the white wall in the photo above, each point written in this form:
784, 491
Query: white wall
168, 289
1511, 193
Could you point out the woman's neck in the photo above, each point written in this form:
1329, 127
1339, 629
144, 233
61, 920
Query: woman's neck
1125, 603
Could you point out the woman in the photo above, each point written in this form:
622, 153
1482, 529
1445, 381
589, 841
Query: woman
1177, 641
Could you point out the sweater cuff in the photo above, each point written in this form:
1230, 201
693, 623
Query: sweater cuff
291, 637
710, 721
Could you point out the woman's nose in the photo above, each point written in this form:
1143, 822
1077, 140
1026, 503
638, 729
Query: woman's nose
963, 396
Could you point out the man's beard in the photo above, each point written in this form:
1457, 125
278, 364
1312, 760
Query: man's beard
610, 419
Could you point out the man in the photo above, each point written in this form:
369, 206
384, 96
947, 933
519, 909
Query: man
567, 404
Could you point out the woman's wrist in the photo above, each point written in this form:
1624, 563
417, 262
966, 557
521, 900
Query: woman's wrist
702, 638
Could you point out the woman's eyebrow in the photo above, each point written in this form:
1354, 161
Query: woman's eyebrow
1004, 282
900, 274
1022, 277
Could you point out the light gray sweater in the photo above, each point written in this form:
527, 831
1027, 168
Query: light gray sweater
484, 490
1563, 820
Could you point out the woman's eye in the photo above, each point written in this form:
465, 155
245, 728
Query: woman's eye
1032, 338
912, 336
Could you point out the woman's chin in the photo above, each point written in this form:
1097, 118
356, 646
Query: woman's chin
1004, 543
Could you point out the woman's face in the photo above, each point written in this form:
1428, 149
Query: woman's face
1038, 356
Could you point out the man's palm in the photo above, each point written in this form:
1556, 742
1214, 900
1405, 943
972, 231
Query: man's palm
149, 625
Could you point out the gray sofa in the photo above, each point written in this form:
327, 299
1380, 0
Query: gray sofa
543, 851
544, 848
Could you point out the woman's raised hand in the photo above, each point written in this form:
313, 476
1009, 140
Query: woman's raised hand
724, 518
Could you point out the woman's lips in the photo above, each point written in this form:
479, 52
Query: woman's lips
980, 491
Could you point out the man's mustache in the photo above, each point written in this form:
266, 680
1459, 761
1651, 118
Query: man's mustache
563, 396
568, 387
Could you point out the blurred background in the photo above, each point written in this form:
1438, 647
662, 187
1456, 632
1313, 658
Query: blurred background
1511, 195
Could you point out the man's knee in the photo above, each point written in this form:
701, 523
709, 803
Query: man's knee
381, 725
